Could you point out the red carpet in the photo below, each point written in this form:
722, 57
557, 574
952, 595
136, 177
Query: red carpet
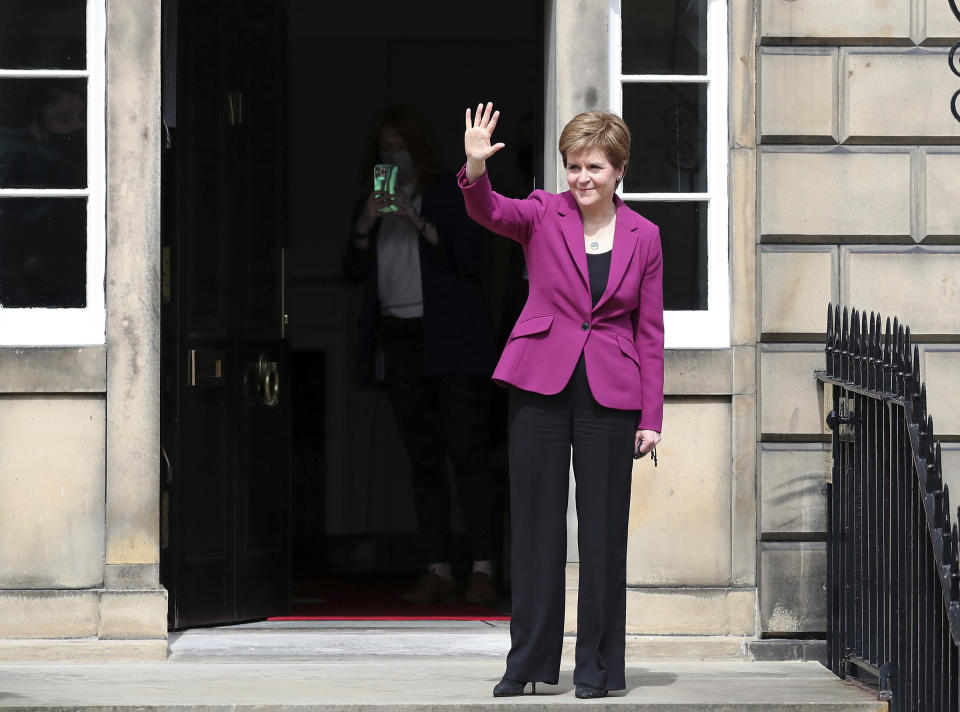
374, 597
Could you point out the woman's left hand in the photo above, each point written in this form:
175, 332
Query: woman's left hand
649, 438
406, 210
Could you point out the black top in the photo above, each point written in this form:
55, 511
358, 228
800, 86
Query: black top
599, 267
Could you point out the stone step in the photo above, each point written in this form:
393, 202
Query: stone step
312, 640
420, 684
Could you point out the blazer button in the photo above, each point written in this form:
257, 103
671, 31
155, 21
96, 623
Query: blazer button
585, 326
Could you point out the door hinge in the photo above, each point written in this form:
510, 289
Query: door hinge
166, 289
235, 108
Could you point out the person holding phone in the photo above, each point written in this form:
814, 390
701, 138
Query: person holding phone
426, 337
584, 365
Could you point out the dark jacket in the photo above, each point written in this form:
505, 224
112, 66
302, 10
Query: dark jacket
457, 332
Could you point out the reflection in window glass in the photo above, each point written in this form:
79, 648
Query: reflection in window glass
664, 37
42, 34
43, 138
683, 234
668, 127
43, 252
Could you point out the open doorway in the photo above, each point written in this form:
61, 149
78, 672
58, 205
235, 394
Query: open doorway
287, 486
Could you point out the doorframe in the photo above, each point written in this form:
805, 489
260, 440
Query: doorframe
132, 286
164, 75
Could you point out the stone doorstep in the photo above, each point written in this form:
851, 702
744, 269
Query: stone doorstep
326, 644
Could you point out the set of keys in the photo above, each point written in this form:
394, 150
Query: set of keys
653, 454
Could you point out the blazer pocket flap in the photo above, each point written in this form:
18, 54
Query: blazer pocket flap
533, 325
626, 345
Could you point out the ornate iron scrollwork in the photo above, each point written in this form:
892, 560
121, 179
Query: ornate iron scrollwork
953, 62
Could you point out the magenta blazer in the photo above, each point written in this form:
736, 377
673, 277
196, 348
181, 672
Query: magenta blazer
621, 337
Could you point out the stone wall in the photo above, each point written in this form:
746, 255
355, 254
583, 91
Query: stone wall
857, 202
79, 427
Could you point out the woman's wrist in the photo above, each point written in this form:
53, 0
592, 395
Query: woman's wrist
475, 169
361, 228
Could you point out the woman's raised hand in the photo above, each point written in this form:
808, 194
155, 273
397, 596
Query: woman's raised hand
476, 139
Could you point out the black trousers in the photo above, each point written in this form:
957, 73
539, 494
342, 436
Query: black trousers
441, 415
542, 429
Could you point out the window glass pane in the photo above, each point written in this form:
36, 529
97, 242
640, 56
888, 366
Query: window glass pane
42, 34
683, 234
664, 37
43, 138
668, 147
43, 252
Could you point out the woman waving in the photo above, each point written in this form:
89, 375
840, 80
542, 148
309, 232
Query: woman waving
584, 365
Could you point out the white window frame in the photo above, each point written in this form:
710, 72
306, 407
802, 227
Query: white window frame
62, 327
709, 328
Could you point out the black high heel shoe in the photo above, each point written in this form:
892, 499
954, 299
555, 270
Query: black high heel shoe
512, 688
589, 692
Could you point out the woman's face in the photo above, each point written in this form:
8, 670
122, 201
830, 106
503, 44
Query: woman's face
393, 149
591, 177
65, 115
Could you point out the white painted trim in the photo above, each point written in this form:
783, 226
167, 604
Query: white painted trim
614, 56
96, 168
44, 73
44, 192
665, 78
666, 197
52, 327
709, 328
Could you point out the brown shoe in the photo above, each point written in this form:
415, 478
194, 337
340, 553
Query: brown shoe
480, 591
432, 589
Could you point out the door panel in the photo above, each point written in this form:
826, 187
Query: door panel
225, 413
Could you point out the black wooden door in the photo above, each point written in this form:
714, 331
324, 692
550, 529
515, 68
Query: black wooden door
225, 407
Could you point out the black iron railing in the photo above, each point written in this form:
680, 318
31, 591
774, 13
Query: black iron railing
952, 61
893, 581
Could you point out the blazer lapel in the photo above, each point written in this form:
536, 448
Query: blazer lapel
624, 245
572, 228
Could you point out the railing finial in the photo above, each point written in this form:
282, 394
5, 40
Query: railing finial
828, 345
845, 348
887, 385
944, 522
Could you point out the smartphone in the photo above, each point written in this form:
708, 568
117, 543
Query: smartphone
385, 181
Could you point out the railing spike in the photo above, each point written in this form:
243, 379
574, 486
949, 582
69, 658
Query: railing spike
898, 360
845, 347
944, 522
955, 547
855, 348
866, 355
828, 342
877, 370
887, 359
861, 348
919, 388
934, 484
954, 561
837, 344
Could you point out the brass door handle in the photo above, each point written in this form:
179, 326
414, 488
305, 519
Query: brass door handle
269, 376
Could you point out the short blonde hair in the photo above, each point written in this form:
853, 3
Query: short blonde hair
597, 129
